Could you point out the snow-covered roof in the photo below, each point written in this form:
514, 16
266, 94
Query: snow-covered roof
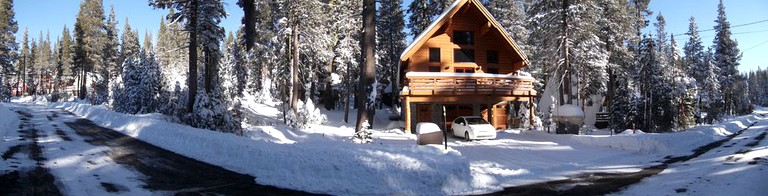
448, 13
474, 75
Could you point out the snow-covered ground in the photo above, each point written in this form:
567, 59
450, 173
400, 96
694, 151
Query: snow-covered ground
323, 160
739, 167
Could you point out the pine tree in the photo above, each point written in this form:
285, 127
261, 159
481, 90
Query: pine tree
64, 59
390, 43
109, 59
569, 43
21, 65
147, 47
420, 16
712, 101
8, 45
202, 19
366, 90
171, 42
32, 68
89, 40
130, 43
511, 15
726, 57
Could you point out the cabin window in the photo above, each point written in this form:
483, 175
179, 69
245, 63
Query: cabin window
493, 71
493, 57
464, 37
464, 55
434, 68
434, 55
464, 70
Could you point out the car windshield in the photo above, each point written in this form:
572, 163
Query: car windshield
476, 121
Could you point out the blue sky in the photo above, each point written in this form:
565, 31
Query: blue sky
52, 15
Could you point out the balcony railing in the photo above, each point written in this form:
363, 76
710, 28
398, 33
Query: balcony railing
443, 83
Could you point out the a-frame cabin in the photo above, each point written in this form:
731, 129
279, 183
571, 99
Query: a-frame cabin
460, 65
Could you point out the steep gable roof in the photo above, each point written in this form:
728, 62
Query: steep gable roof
446, 16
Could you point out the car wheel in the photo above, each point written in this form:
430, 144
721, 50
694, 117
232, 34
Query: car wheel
466, 136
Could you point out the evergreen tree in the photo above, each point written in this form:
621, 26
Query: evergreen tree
693, 50
726, 58
569, 48
423, 13
366, 90
712, 101
64, 59
142, 86
32, 68
656, 106
146, 47
21, 65
420, 16
171, 42
390, 42
511, 15
8, 45
130, 46
109, 59
89, 40
202, 19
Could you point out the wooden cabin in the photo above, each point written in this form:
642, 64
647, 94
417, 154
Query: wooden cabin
460, 65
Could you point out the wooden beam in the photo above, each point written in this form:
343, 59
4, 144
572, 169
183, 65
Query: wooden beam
530, 110
407, 102
485, 28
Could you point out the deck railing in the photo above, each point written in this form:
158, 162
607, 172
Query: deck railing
439, 83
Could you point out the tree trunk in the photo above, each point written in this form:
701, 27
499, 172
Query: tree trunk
208, 72
192, 75
83, 80
295, 67
249, 20
368, 71
347, 93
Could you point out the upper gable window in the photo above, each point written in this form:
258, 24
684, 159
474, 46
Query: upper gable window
493, 57
464, 37
434, 55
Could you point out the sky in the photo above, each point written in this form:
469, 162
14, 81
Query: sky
52, 15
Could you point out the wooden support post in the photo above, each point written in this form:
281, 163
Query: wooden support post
530, 108
489, 111
407, 103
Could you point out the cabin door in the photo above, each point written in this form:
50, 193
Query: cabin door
424, 113
500, 115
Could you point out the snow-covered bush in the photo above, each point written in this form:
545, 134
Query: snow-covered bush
211, 112
307, 116
142, 87
174, 106
526, 116
364, 135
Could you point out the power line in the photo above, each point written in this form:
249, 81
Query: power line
739, 25
753, 47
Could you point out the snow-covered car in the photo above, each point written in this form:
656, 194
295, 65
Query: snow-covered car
472, 128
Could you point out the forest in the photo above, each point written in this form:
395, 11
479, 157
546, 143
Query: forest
344, 55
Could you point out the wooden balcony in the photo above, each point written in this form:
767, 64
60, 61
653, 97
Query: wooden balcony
456, 84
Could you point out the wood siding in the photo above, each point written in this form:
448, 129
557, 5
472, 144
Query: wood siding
491, 40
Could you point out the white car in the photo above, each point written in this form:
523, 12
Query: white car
473, 127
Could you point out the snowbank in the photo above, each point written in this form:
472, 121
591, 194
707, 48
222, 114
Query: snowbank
317, 166
8, 122
669, 143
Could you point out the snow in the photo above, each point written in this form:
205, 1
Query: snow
324, 166
474, 75
735, 169
322, 158
569, 110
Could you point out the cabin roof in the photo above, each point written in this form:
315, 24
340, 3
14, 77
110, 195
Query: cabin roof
449, 13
